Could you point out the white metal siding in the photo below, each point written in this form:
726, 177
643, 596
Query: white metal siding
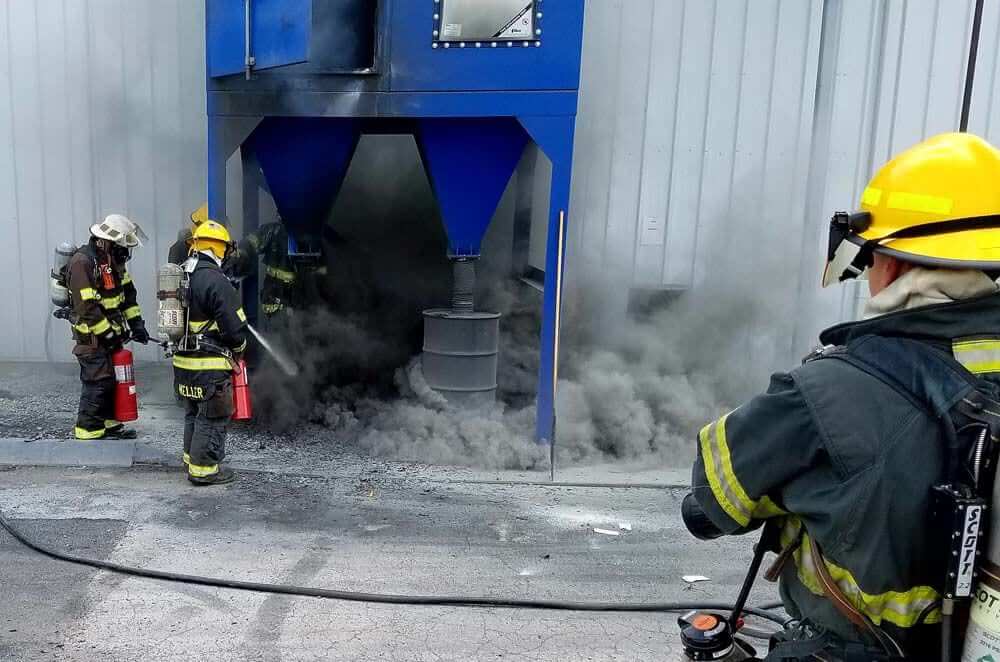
721, 134
712, 134
102, 110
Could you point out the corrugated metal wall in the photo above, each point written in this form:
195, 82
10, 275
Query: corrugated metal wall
712, 134
721, 134
892, 74
102, 110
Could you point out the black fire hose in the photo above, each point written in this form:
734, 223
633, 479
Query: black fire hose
354, 596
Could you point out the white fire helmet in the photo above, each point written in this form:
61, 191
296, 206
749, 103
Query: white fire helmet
120, 230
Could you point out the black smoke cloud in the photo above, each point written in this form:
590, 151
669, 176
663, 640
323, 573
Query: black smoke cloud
633, 386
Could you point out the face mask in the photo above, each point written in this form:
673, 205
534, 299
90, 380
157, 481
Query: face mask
121, 255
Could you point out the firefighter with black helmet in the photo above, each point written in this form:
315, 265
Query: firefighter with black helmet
105, 315
179, 250
295, 266
853, 454
206, 356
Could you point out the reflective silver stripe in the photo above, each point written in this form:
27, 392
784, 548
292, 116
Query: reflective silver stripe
723, 492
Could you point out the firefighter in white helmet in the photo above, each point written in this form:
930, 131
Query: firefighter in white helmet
105, 314
847, 453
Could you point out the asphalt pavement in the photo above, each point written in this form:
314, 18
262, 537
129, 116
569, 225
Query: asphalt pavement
379, 531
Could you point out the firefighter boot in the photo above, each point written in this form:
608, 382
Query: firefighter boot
220, 477
119, 432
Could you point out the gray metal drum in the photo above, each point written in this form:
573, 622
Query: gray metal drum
460, 355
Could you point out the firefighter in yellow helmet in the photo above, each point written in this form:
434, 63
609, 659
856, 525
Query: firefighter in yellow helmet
207, 354
845, 458
180, 248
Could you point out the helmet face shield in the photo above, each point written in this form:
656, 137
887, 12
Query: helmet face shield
137, 236
843, 247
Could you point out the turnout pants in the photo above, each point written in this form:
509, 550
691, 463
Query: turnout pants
205, 423
96, 412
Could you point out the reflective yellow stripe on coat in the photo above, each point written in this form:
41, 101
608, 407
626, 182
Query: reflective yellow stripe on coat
202, 363
281, 274
97, 329
205, 325
110, 303
978, 356
726, 487
901, 608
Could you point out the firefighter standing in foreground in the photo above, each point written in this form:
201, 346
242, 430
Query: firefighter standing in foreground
203, 365
842, 452
105, 315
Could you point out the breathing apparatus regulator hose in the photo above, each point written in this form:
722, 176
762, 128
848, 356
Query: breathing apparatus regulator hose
355, 596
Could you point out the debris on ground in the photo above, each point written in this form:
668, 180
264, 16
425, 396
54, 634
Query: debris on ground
694, 579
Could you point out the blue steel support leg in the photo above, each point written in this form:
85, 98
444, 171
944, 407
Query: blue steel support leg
554, 135
217, 155
251, 222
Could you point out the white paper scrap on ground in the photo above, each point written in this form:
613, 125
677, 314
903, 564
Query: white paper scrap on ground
694, 579
607, 532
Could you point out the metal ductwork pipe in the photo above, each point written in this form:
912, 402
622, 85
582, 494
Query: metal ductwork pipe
463, 294
461, 345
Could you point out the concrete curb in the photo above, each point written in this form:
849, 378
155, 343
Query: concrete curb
117, 453
72, 453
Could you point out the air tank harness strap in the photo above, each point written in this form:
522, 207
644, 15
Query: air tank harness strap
784, 556
837, 597
201, 344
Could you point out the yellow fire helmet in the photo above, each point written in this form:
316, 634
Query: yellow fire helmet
936, 204
200, 215
211, 236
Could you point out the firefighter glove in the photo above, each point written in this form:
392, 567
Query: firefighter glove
109, 339
139, 333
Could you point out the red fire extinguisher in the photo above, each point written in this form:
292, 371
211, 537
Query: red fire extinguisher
126, 402
242, 409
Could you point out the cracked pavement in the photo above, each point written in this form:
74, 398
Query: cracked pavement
383, 532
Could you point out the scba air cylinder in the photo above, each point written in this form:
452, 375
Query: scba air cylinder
982, 638
58, 285
170, 316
